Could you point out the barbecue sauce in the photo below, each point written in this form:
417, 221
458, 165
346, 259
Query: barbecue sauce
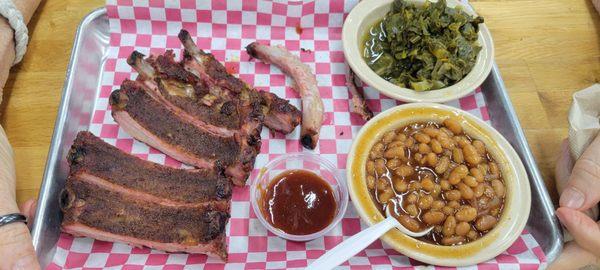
299, 202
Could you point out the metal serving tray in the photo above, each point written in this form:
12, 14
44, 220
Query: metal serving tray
82, 85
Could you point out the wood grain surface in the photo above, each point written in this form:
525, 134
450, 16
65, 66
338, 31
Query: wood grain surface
546, 50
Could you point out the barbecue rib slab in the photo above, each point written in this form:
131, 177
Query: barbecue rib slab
113, 196
197, 113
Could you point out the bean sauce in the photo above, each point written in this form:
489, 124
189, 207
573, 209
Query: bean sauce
433, 174
299, 202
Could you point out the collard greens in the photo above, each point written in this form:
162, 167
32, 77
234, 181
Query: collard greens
423, 47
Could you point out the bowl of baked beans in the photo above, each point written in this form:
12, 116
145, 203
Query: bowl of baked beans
441, 167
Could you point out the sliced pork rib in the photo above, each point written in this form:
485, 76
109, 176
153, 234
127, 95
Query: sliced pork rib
279, 114
150, 121
306, 85
214, 119
113, 196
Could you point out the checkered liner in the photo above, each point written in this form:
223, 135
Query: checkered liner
311, 29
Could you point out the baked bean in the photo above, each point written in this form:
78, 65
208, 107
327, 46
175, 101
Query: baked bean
370, 181
437, 205
377, 150
422, 138
437, 190
395, 144
409, 142
488, 191
498, 188
409, 223
478, 190
453, 125
385, 195
392, 164
452, 195
432, 159
449, 226
443, 178
396, 152
470, 181
447, 210
445, 185
423, 161
383, 183
472, 234
465, 191
404, 171
424, 148
462, 141
412, 210
388, 137
453, 204
414, 186
425, 202
400, 185
457, 155
466, 213
431, 132
412, 198
427, 184
433, 217
479, 146
380, 168
401, 137
446, 142
471, 155
453, 240
462, 228
475, 172
485, 223
454, 178
442, 165
436, 147
446, 132
494, 169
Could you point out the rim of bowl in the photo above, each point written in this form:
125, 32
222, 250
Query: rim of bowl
343, 199
517, 202
351, 37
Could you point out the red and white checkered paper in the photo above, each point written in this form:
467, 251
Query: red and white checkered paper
311, 29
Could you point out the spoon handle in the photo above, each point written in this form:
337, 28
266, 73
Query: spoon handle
352, 245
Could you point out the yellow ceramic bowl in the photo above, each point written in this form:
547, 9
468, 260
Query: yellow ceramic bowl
516, 205
366, 13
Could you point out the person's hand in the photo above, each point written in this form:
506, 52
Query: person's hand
16, 249
580, 194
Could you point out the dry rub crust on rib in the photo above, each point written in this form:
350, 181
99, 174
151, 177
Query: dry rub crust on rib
92, 157
186, 229
197, 95
171, 130
113, 196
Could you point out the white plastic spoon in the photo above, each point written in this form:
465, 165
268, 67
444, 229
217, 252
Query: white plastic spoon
360, 241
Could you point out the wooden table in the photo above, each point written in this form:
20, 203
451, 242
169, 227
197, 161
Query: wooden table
546, 50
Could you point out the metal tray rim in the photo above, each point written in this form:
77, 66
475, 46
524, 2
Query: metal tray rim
47, 181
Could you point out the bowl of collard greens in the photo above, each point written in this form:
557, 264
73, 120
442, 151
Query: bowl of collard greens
418, 50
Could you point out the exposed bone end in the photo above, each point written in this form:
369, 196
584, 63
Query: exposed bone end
188, 43
309, 139
137, 62
135, 58
118, 100
252, 50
